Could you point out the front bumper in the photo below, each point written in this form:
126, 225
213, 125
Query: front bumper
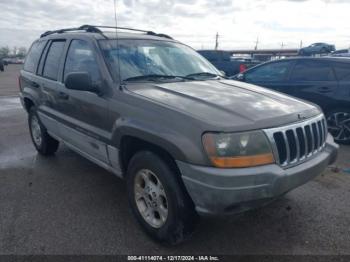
218, 191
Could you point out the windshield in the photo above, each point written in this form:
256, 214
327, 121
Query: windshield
153, 60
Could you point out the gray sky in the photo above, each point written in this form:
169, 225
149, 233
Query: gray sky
195, 22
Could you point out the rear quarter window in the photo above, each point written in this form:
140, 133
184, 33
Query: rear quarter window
33, 56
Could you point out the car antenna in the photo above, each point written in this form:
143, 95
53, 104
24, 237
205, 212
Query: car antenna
117, 43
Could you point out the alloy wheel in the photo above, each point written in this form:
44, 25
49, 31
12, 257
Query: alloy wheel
339, 126
150, 197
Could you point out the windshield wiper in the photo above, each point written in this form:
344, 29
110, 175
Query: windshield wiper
154, 77
204, 74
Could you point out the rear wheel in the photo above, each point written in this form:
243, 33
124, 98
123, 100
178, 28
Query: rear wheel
339, 125
158, 200
43, 142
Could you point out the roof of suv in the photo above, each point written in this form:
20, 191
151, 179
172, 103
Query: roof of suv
109, 35
95, 32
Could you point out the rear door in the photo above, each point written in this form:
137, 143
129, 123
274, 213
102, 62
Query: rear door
86, 124
314, 80
49, 70
271, 75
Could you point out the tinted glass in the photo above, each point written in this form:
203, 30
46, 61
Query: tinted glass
147, 57
80, 58
33, 56
312, 71
53, 59
342, 70
269, 72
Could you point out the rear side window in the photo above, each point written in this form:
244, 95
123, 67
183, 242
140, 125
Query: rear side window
53, 59
342, 70
33, 56
312, 71
269, 72
81, 58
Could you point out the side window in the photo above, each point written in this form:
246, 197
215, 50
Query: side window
312, 71
269, 72
33, 56
53, 59
342, 70
81, 58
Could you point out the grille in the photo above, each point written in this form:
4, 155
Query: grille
295, 143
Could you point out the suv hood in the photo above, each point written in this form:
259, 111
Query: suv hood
227, 103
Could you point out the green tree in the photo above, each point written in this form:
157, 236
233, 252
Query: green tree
4, 51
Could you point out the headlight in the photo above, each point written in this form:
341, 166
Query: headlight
238, 149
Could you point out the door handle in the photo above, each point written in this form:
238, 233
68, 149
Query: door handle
34, 84
63, 95
324, 89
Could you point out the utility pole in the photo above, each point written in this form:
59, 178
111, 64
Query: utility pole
282, 45
301, 43
256, 43
217, 41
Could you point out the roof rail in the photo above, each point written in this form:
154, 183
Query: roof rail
94, 29
86, 28
133, 29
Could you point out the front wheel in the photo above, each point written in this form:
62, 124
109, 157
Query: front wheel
158, 200
338, 122
43, 142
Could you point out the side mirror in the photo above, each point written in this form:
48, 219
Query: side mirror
222, 73
240, 77
80, 81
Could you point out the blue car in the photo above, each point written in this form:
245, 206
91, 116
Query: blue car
317, 48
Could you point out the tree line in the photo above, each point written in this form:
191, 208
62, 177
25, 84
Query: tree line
19, 52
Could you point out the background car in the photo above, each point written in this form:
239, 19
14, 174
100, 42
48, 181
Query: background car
1, 65
223, 61
341, 53
317, 48
324, 81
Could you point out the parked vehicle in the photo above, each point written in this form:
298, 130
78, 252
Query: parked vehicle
14, 60
223, 61
154, 112
323, 81
317, 48
341, 53
2, 66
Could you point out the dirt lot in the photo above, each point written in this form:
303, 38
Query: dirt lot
67, 205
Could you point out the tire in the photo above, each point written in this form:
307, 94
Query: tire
43, 142
179, 222
338, 122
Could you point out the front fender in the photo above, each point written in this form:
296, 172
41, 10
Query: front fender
169, 140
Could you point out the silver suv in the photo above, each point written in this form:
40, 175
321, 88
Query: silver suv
154, 112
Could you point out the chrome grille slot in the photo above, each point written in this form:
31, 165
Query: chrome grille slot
295, 143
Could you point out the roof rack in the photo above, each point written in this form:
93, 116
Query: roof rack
86, 28
132, 29
94, 29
